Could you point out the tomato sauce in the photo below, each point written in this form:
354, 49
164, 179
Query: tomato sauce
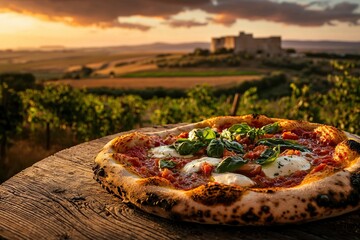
320, 157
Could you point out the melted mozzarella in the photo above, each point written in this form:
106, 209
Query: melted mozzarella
233, 178
285, 165
164, 152
195, 165
192, 135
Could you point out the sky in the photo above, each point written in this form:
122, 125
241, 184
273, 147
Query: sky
87, 23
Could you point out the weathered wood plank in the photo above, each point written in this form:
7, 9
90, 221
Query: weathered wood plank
57, 198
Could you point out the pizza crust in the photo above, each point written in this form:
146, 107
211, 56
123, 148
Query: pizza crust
316, 198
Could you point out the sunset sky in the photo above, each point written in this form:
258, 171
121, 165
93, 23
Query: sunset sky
80, 23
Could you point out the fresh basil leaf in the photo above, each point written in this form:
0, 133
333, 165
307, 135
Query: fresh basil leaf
166, 164
271, 142
271, 128
178, 141
230, 164
253, 133
269, 155
233, 146
227, 135
241, 128
188, 147
245, 130
215, 148
205, 134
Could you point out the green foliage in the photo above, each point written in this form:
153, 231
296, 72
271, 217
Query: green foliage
18, 81
11, 108
11, 112
342, 103
200, 52
89, 116
199, 104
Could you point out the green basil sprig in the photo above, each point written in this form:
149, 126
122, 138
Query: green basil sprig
166, 164
271, 128
215, 148
230, 164
243, 129
233, 146
272, 142
203, 135
269, 155
186, 147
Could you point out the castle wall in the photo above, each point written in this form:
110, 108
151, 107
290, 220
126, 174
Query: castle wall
248, 44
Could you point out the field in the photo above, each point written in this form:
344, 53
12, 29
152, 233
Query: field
199, 73
151, 82
53, 64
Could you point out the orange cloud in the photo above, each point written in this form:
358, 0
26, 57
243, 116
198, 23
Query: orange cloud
105, 13
175, 23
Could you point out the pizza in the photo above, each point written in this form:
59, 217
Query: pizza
242, 170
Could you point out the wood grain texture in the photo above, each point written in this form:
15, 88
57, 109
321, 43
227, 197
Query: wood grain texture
57, 198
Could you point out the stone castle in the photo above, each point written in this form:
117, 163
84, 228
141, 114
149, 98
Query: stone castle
246, 43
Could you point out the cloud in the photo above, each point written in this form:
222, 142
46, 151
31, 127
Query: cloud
185, 23
105, 13
136, 26
227, 12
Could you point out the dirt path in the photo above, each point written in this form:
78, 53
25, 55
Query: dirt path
173, 82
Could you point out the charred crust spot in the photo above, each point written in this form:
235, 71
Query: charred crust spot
265, 209
213, 194
355, 181
250, 216
155, 200
255, 116
340, 200
99, 172
199, 213
323, 200
354, 145
340, 183
96, 167
311, 210
207, 213
121, 191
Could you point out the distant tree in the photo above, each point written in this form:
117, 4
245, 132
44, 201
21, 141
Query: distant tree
224, 51
201, 52
18, 81
290, 50
85, 72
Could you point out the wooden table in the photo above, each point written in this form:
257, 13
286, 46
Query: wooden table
57, 198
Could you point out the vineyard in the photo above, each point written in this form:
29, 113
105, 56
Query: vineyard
54, 112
